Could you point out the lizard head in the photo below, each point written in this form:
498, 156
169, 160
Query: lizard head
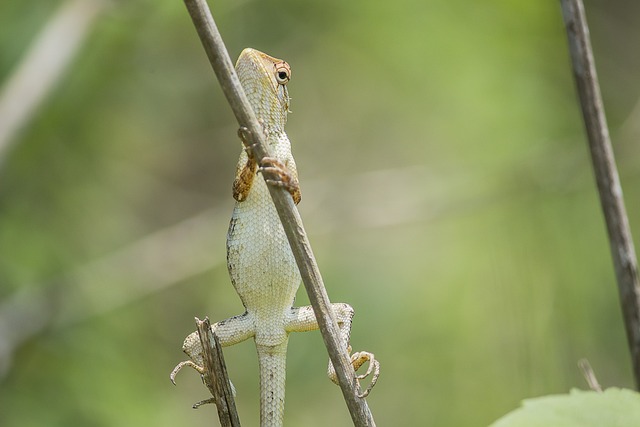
264, 80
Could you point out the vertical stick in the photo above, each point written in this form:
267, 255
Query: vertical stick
292, 223
606, 173
215, 375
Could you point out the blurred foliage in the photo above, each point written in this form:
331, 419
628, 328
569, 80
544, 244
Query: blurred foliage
612, 407
447, 191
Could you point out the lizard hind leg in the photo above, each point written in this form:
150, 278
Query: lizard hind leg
303, 319
230, 331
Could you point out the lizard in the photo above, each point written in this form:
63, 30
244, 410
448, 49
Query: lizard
261, 265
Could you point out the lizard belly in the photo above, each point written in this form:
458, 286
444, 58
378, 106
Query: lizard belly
260, 262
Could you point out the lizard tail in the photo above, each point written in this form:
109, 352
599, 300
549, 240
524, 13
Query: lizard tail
272, 362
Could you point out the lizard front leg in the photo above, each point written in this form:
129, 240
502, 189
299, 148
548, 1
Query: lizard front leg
285, 179
303, 319
245, 170
247, 167
244, 180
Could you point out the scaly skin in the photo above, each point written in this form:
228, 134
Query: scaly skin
260, 262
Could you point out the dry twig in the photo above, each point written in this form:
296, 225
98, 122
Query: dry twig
606, 173
291, 221
589, 375
215, 375
213, 371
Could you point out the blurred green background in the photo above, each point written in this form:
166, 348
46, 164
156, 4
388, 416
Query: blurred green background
447, 192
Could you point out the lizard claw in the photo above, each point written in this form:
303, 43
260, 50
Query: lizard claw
179, 366
360, 358
247, 139
276, 167
245, 136
285, 179
357, 360
193, 349
203, 402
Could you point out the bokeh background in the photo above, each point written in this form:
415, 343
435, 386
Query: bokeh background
447, 192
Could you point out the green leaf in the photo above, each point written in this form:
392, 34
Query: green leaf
613, 408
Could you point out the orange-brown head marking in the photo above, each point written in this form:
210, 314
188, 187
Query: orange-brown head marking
264, 79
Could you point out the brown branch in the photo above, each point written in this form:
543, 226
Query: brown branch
291, 221
215, 375
606, 173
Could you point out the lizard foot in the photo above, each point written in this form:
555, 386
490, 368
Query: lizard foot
360, 358
179, 366
247, 141
284, 179
201, 371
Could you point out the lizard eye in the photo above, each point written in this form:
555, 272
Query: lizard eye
283, 73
